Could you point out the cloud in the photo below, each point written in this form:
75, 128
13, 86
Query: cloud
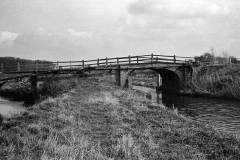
42, 32
181, 17
100, 28
176, 14
178, 7
7, 38
81, 34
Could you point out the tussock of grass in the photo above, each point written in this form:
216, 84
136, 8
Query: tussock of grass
100, 121
55, 87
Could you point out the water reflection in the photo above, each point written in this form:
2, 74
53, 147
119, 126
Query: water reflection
223, 114
9, 108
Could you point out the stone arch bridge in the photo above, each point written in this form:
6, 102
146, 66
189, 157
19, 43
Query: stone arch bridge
173, 70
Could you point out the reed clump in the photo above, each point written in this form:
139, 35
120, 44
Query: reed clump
219, 81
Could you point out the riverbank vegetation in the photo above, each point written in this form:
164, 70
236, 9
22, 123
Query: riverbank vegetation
218, 81
21, 90
215, 76
98, 120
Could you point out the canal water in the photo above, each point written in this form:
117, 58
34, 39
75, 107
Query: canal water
223, 114
10, 108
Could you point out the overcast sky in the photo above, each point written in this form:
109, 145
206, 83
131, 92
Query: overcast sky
86, 29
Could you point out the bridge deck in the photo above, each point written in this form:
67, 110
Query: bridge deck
142, 61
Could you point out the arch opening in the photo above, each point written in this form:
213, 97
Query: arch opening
170, 80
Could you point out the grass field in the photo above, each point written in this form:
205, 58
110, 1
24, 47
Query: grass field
98, 120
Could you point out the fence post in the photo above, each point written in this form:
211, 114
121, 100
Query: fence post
117, 60
137, 59
106, 61
152, 58
18, 66
98, 62
83, 64
129, 59
174, 58
230, 60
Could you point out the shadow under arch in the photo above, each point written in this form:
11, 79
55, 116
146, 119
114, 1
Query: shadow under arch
171, 80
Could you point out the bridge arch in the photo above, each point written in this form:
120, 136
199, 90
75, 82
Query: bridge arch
173, 79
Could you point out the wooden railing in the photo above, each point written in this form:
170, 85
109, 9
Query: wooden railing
221, 61
97, 63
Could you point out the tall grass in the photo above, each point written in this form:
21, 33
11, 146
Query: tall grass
55, 87
220, 82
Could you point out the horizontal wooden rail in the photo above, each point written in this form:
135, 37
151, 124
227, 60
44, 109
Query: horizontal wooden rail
103, 62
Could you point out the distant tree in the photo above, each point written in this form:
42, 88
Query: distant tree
233, 59
221, 60
205, 58
10, 63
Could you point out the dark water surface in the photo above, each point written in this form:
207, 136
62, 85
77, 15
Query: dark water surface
223, 114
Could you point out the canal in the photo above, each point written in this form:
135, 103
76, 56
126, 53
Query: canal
223, 114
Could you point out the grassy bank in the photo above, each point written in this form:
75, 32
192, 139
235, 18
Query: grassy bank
97, 120
223, 82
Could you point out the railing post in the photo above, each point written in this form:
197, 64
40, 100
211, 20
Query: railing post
36, 66
174, 58
152, 58
18, 66
157, 59
129, 59
83, 64
98, 62
106, 61
137, 59
58, 67
117, 60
